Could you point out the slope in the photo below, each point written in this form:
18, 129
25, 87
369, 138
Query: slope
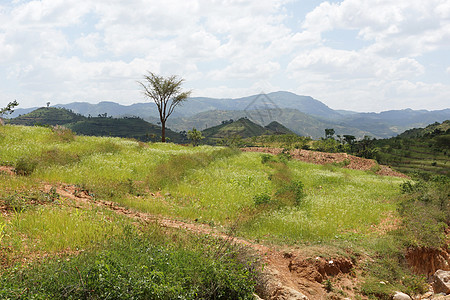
47, 116
228, 129
124, 127
425, 150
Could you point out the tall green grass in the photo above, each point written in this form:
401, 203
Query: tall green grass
208, 185
56, 229
146, 266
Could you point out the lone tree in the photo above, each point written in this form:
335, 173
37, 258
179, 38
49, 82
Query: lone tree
166, 93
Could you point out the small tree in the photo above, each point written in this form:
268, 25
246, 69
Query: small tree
166, 93
329, 132
195, 136
7, 110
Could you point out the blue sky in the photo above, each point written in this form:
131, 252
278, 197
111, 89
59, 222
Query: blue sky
362, 55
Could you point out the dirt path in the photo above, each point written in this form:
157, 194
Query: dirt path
323, 158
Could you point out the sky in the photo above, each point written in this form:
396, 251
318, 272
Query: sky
360, 55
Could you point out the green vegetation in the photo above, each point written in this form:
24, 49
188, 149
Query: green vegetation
195, 136
137, 266
132, 127
8, 108
425, 212
418, 150
47, 116
128, 127
86, 251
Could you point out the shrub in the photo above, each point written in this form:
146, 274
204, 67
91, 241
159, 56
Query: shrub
25, 166
291, 193
261, 199
267, 158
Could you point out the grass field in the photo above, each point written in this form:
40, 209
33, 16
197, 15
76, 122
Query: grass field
268, 199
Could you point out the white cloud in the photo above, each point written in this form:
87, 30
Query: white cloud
343, 64
96, 50
402, 27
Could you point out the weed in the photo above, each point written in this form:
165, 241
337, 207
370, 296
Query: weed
375, 168
328, 285
2, 227
267, 158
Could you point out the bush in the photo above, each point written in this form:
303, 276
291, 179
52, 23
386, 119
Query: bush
25, 166
261, 199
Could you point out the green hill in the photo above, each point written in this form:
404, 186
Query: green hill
432, 129
419, 149
47, 116
242, 128
125, 127
278, 128
131, 127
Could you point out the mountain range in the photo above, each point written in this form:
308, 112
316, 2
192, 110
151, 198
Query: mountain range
303, 115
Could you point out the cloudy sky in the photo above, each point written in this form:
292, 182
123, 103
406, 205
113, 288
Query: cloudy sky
362, 55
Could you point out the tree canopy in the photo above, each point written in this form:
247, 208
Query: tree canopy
167, 94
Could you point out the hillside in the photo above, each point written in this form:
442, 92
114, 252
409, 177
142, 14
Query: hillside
296, 121
278, 128
124, 127
432, 129
418, 150
47, 116
243, 128
131, 127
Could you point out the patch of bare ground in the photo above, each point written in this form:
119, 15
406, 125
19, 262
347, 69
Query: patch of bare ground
323, 158
7, 170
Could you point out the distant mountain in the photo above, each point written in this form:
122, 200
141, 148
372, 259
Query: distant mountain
195, 105
300, 123
302, 114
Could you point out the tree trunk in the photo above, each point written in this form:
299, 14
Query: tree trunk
163, 132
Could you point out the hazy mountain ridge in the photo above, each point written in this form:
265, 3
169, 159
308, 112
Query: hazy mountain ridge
302, 114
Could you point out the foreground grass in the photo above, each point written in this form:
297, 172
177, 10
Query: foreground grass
137, 266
